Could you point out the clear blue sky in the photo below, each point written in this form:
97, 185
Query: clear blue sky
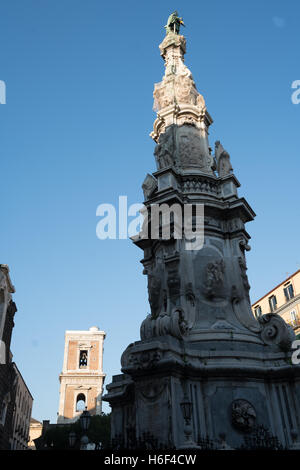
75, 133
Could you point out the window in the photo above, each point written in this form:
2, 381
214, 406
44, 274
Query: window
273, 303
288, 292
3, 412
2, 352
257, 311
293, 316
83, 356
3, 408
80, 402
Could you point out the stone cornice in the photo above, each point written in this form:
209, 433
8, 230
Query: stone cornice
85, 375
85, 333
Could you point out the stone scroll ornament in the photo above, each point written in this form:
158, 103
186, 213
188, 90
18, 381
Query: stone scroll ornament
275, 331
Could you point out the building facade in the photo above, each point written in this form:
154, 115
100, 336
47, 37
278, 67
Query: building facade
35, 431
82, 377
284, 300
8, 378
15, 398
22, 414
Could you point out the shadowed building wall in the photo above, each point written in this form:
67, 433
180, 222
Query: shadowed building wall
7, 374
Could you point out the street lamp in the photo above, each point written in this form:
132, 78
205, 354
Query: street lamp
186, 408
85, 419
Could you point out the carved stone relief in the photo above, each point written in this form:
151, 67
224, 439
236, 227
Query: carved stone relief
187, 119
185, 90
191, 149
151, 390
198, 184
163, 95
164, 150
214, 278
243, 415
140, 360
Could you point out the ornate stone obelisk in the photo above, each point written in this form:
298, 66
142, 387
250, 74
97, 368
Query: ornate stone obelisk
204, 366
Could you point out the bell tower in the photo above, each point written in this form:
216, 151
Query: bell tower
82, 377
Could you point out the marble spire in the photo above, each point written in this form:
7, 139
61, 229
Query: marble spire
181, 127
